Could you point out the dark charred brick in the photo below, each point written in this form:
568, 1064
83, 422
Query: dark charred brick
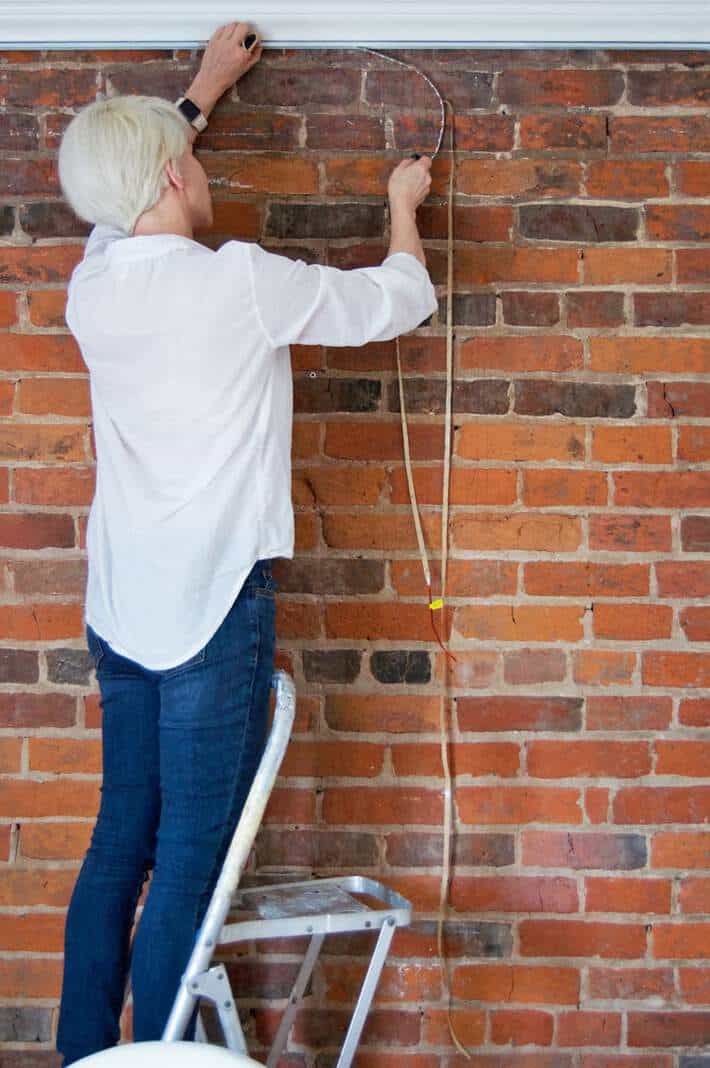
25, 1023
573, 131
19, 131
325, 220
49, 218
320, 1028
595, 308
243, 130
296, 848
262, 978
424, 850
150, 79
488, 396
587, 400
654, 88
672, 309
578, 222
7, 219
304, 88
343, 132
469, 938
336, 394
71, 666
401, 665
48, 86
559, 88
25, 1058
405, 89
521, 308
331, 665
19, 665
25, 176
327, 575
470, 309
695, 533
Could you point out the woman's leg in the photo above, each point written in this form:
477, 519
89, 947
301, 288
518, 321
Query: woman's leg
213, 719
103, 903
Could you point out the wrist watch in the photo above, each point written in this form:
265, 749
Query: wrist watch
191, 112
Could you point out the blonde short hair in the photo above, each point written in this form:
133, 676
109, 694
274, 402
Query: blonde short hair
112, 157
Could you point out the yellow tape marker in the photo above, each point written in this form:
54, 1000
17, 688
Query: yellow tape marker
438, 603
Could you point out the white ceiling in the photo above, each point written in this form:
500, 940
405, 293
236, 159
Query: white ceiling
387, 23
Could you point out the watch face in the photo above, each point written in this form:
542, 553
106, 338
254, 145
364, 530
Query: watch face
189, 110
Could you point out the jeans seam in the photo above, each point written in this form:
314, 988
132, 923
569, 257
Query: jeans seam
238, 769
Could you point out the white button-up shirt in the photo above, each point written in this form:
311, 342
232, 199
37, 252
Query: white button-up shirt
190, 377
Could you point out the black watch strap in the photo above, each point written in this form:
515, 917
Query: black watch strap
191, 112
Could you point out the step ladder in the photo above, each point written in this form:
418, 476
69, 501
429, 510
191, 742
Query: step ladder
315, 908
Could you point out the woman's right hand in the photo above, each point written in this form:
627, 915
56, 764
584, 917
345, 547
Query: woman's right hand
409, 184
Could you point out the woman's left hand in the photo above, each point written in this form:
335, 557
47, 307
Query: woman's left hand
226, 59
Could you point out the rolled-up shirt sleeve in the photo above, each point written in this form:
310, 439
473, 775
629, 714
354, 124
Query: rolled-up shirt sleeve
311, 304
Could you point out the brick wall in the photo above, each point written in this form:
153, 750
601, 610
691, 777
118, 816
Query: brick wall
578, 935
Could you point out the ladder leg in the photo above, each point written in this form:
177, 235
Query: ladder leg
367, 990
295, 1000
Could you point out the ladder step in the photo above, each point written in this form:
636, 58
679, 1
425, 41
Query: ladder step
274, 903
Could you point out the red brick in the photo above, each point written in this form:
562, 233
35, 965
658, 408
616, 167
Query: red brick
521, 353
516, 713
694, 713
519, 623
521, 1027
386, 805
632, 622
578, 759
589, 1029
674, 941
607, 265
695, 895
662, 804
602, 667
694, 444
627, 445
517, 983
519, 531
516, 177
581, 850
695, 985
637, 355
628, 895
686, 758
585, 579
628, 713
518, 804
581, 938
482, 758
633, 179
680, 849
514, 893
631, 984
676, 669
564, 488
630, 533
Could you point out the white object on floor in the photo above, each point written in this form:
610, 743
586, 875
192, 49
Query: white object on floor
167, 1055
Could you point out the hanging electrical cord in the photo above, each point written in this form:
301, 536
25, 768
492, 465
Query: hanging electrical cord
437, 604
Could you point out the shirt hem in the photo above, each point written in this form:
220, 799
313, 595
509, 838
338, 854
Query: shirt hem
193, 649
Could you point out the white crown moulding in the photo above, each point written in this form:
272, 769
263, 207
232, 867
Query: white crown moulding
30, 24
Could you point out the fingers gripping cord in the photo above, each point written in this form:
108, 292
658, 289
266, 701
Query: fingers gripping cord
436, 604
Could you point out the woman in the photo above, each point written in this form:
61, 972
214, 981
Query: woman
188, 354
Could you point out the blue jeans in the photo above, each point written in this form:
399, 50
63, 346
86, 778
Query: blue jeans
180, 750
